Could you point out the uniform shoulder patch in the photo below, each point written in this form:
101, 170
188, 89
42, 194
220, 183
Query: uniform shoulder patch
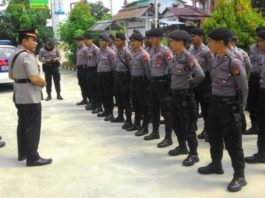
191, 62
168, 55
146, 57
235, 70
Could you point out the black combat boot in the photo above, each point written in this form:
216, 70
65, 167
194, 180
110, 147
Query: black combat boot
97, 110
190, 160
82, 102
165, 143
136, 126
102, 114
142, 131
178, 151
49, 97
211, 169
154, 135
254, 159
202, 135
127, 124
59, 97
236, 184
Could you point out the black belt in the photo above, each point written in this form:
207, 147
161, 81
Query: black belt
91, 68
157, 78
22, 81
224, 99
122, 73
82, 66
255, 74
138, 77
181, 91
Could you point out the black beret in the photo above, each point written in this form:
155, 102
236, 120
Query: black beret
157, 32
259, 28
88, 35
220, 34
197, 31
28, 32
179, 35
79, 38
234, 37
121, 36
261, 34
111, 37
137, 36
103, 37
136, 31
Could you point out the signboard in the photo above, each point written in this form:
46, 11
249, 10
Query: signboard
39, 4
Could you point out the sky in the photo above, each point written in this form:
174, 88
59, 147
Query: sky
116, 4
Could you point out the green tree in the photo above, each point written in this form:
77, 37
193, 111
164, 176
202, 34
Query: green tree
80, 19
238, 16
99, 11
18, 15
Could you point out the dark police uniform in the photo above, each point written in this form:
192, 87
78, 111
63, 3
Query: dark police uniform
27, 98
122, 84
186, 73
259, 157
228, 79
105, 69
91, 75
254, 86
81, 63
203, 91
160, 90
51, 69
140, 86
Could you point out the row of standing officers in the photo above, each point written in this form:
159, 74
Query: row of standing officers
172, 81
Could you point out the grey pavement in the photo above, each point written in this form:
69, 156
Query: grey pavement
97, 159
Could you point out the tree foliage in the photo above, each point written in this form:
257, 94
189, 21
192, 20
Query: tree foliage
81, 18
18, 15
238, 16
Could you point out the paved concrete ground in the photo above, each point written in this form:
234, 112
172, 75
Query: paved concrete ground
96, 159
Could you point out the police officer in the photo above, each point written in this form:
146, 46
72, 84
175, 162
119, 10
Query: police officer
24, 70
50, 57
229, 86
147, 43
81, 64
91, 75
105, 69
259, 157
2, 143
186, 74
122, 81
253, 83
140, 84
160, 87
204, 56
111, 42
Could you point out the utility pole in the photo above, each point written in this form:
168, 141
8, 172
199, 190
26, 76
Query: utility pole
111, 15
156, 13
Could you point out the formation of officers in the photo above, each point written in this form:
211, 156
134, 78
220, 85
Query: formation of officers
152, 79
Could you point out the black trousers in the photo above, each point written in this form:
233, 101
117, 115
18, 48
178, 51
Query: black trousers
224, 125
52, 73
161, 101
140, 93
203, 94
184, 118
105, 90
122, 94
82, 81
92, 86
253, 97
261, 132
28, 130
